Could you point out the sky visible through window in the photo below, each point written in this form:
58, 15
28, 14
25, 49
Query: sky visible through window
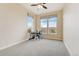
43, 22
29, 22
51, 22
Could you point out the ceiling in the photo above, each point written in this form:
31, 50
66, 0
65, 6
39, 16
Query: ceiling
51, 7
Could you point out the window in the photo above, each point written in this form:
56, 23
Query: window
44, 25
49, 25
52, 24
29, 22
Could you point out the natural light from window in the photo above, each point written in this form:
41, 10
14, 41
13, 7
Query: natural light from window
49, 25
44, 23
29, 22
52, 21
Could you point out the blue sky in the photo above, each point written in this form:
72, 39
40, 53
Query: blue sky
52, 22
29, 21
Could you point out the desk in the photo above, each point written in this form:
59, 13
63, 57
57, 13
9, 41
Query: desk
35, 35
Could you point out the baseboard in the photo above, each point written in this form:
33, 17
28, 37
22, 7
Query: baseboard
68, 48
12, 44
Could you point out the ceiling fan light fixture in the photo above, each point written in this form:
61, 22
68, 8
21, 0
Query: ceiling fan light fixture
39, 6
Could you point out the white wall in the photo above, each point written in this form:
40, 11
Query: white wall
12, 24
71, 28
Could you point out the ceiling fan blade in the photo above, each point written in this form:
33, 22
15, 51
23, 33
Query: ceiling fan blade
44, 3
40, 4
35, 4
44, 7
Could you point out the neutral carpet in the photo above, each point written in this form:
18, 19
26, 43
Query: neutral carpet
37, 48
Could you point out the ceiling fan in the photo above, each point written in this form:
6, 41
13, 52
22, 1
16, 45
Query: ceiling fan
40, 4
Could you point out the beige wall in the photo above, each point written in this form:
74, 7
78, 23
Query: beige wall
71, 28
12, 24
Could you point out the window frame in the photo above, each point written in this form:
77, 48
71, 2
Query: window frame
32, 22
48, 24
